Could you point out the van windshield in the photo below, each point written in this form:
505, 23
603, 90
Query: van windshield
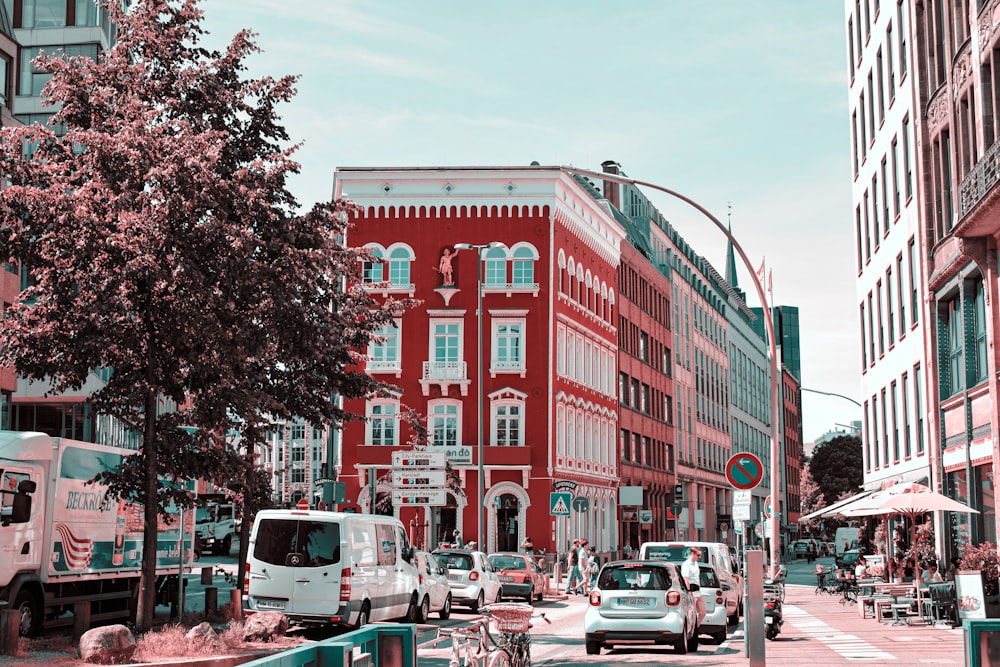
675, 553
316, 542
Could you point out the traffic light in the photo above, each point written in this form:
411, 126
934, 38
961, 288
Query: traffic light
678, 493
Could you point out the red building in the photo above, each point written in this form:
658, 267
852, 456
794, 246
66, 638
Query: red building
548, 348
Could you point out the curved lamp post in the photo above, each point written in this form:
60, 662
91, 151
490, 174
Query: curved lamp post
775, 489
479, 248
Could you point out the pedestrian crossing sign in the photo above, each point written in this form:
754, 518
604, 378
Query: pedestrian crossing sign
559, 503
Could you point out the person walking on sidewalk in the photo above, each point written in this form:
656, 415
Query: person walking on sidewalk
692, 575
572, 568
583, 564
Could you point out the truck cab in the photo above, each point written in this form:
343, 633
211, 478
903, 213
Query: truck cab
215, 525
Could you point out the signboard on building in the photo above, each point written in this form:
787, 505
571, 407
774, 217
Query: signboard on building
630, 496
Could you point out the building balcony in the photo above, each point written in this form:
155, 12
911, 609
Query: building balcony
975, 187
511, 366
392, 366
444, 374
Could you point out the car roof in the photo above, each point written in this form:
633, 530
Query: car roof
640, 563
509, 553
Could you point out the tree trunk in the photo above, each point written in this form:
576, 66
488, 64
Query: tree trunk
147, 589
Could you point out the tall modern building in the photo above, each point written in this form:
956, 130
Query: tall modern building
925, 88
891, 292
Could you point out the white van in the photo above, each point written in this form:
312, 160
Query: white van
330, 568
715, 554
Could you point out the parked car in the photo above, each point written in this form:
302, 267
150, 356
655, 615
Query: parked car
471, 577
435, 591
716, 621
715, 554
848, 559
519, 576
640, 601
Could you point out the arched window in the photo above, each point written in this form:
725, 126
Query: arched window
371, 268
444, 423
400, 257
523, 272
495, 271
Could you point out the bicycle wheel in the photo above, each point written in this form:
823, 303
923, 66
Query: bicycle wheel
498, 658
520, 652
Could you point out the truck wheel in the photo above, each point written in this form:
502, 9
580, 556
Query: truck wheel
227, 545
363, 615
31, 614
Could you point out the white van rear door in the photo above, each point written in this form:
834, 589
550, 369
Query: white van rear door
298, 561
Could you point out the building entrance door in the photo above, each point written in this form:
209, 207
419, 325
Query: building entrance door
507, 516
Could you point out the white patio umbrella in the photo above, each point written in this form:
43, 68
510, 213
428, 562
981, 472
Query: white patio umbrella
910, 500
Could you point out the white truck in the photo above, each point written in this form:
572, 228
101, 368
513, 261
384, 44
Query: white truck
63, 541
216, 528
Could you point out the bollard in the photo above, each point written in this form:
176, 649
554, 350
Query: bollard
81, 619
236, 603
211, 600
10, 626
206, 576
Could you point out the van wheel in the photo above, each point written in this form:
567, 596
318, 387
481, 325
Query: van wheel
413, 611
446, 609
424, 611
363, 616
31, 614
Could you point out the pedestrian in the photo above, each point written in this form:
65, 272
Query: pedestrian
628, 551
528, 546
573, 572
583, 565
692, 575
593, 567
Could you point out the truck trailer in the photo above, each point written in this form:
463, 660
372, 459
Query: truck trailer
64, 541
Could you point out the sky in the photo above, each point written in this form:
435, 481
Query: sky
740, 105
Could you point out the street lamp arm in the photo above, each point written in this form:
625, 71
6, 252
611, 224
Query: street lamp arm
830, 393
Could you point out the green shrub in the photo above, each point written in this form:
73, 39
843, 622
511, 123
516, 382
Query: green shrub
983, 557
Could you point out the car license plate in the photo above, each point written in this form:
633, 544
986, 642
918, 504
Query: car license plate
506, 579
769, 619
454, 577
634, 602
270, 604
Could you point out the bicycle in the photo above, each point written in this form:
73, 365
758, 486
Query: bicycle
513, 621
462, 653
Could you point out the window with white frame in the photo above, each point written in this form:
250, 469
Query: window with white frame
384, 355
444, 423
523, 268
495, 271
508, 344
446, 341
507, 418
383, 422
371, 267
400, 257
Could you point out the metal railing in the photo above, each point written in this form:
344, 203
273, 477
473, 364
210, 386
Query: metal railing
382, 645
445, 370
980, 181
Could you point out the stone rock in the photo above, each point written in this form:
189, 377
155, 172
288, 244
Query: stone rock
265, 626
107, 645
202, 638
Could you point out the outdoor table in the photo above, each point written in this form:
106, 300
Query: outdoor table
892, 594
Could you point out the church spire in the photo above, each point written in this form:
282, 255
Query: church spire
731, 256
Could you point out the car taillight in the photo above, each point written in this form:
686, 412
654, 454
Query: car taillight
473, 576
673, 598
718, 596
595, 598
345, 585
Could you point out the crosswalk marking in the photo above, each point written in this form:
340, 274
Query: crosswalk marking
847, 645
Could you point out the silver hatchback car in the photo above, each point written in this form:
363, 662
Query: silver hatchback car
641, 602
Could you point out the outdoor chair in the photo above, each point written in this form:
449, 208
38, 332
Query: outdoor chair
940, 602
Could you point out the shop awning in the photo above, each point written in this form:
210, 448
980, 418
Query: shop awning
832, 510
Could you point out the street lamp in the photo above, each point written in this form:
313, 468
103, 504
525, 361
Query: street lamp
479, 248
775, 489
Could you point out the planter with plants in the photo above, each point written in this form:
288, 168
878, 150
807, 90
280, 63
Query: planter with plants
983, 557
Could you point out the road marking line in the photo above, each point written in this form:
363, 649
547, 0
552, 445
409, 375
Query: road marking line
847, 645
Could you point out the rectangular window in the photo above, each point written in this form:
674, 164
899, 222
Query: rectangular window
875, 212
635, 394
862, 125
868, 234
33, 81
644, 346
443, 425
956, 349
874, 431
854, 139
907, 444
881, 86
901, 295
871, 329
644, 399
895, 177
508, 346
902, 33
907, 167
868, 439
890, 66
871, 109
383, 424
918, 406
881, 318
885, 197
385, 355
890, 318
43, 13
885, 430
446, 341
914, 295
894, 392
979, 331
508, 425
864, 346
850, 46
